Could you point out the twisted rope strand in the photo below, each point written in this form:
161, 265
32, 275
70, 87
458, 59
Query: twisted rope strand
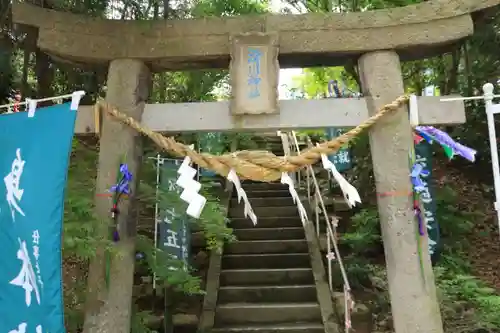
253, 164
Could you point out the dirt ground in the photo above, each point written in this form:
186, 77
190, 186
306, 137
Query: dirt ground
485, 236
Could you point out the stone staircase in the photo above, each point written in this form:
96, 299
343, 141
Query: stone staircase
266, 280
273, 279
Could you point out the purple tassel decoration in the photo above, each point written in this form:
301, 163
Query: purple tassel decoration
418, 214
123, 185
418, 171
116, 236
445, 140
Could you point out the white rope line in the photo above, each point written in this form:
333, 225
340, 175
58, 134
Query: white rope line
27, 101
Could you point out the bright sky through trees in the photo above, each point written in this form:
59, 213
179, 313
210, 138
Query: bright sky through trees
286, 75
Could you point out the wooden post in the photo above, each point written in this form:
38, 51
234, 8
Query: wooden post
109, 309
413, 296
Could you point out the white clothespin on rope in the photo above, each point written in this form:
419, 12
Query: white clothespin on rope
31, 107
350, 193
31, 104
286, 179
75, 99
191, 188
247, 210
414, 116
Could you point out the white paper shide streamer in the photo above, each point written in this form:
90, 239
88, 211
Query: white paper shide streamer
247, 210
191, 188
286, 179
351, 195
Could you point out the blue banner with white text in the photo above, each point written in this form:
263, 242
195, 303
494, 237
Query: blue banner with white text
174, 234
423, 155
342, 158
34, 156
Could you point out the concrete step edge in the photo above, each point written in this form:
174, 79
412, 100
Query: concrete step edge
245, 287
272, 326
253, 190
301, 240
266, 254
265, 207
236, 270
268, 218
309, 305
270, 229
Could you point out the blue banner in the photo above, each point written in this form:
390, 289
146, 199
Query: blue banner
174, 234
342, 158
423, 155
34, 156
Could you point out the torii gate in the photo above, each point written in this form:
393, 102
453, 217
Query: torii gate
379, 39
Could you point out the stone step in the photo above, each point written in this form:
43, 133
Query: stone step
338, 203
272, 147
266, 313
238, 211
254, 186
266, 202
267, 246
265, 222
268, 193
274, 143
269, 233
282, 276
276, 149
282, 328
267, 294
281, 260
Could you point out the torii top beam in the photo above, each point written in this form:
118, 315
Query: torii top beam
311, 39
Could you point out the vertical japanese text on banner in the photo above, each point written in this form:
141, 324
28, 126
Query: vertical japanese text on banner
254, 72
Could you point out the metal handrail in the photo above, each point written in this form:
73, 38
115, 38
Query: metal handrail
291, 144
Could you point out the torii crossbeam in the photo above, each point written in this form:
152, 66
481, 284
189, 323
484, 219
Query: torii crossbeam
294, 114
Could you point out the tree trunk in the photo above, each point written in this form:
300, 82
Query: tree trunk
6, 49
470, 86
109, 308
25, 91
452, 82
44, 75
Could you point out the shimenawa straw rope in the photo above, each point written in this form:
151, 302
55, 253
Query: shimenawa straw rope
253, 164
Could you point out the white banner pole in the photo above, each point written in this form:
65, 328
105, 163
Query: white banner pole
159, 162
491, 109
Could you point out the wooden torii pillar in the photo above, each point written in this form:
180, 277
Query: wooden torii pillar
379, 39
